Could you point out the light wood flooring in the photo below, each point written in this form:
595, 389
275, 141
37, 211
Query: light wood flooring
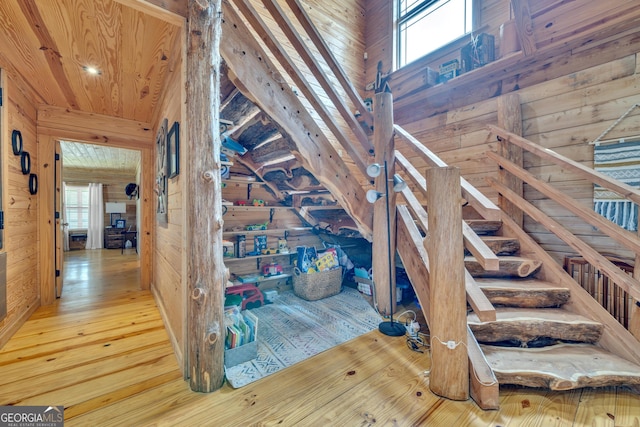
103, 353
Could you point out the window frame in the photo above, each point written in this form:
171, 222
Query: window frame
416, 11
78, 188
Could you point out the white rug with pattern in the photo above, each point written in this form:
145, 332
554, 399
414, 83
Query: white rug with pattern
292, 329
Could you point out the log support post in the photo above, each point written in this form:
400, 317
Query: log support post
448, 305
205, 270
384, 277
510, 119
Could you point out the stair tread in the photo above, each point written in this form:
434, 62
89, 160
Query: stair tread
508, 314
535, 327
560, 367
515, 283
510, 266
514, 292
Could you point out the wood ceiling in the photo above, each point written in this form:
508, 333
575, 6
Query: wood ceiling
54, 41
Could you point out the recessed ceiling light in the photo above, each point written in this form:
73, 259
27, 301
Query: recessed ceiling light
92, 70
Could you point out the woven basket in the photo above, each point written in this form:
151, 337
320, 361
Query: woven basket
318, 285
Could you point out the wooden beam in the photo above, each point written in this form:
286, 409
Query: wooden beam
95, 128
626, 282
599, 178
472, 242
448, 303
615, 337
330, 59
384, 221
257, 74
524, 26
414, 258
626, 238
478, 301
50, 49
484, 388
206, 271
307, 56
172, 11
510, 118
476, 199
355, 151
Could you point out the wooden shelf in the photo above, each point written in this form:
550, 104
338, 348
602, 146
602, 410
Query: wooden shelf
256, 208
269, 232
321, 208
227, 260
242, 181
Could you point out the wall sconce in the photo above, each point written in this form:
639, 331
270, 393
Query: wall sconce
390, 328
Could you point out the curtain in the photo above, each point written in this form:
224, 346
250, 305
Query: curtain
65, 224
96, 217
620, 161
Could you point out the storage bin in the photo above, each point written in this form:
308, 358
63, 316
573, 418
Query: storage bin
238, 355
318, 285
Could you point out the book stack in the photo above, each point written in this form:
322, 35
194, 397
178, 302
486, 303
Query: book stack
241, 336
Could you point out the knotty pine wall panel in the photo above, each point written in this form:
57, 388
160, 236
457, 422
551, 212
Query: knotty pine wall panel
169, 283
21, 210
564, 115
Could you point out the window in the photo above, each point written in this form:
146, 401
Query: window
426, 25
76, 199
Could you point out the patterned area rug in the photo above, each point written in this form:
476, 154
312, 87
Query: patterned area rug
291, 330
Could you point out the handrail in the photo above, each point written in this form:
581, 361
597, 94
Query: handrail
276, 48
596, 177
476, 199
301, 48
630, 240
324, 50
485, 256
626, 282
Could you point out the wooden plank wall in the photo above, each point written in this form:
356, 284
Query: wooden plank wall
169, 253
567, 101
21, 210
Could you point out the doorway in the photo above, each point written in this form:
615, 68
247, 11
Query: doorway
99, 212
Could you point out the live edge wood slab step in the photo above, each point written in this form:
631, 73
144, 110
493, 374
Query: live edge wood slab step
561, 367
500, 245
523, 292
510, 266
525, 325
483, 226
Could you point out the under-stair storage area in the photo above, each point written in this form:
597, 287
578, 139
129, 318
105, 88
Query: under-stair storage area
260, 233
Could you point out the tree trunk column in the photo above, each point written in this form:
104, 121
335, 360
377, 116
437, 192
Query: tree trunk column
206, 272
449, 375
383, 145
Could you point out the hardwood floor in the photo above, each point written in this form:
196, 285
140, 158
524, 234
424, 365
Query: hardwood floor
102, 352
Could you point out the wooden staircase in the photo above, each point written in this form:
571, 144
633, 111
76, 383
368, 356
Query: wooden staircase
531, 324
535, 340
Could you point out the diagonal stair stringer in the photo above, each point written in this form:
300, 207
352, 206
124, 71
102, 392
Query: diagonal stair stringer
258, 78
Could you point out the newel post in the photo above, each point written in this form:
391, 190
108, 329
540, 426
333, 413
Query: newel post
449, 375
383, 145
206, 274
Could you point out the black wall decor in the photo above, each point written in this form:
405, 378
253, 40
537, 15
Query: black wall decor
25, 162
173, 150
16, 142
33, 183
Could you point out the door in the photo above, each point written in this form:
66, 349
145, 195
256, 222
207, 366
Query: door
60, 225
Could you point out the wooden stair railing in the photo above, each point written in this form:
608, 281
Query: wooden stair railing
615, 337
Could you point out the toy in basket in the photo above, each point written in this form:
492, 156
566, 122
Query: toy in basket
318, 284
